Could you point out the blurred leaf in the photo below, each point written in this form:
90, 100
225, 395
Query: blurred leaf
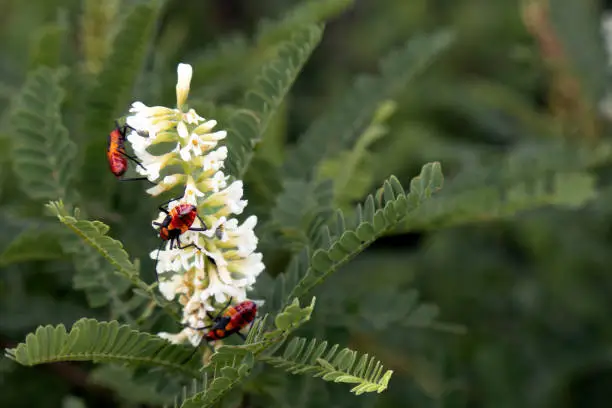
351, 170
33, 244
42, 149
338, 128
111, 93
577, 23
350, 237
263, 100
48, 45
305, 13
120, 380
98, 28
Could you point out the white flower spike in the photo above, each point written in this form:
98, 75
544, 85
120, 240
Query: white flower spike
222, 263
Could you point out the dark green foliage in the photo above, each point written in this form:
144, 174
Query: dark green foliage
34, 244
114, 84
345, 237
225, 372
42, 148
512, 252
264, 97
104, 284
578, 26
347, 119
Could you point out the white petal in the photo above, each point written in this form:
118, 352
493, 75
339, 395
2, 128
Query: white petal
184, 73
181, 129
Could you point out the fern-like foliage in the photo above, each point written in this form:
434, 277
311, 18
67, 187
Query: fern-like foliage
226, 369
301, 209
337, 129
352, 170
42, 150
308, 12
97, 31
94, 234
46, 49
569, 190
234, 61
315, 358
247, 126
347, 238
109, 342
514, 183
33, 244
231, 364
122, 67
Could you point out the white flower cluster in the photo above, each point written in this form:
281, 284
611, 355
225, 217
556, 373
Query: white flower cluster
222, 263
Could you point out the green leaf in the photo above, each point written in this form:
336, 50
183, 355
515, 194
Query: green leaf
47, 46
246, 128
343, 366
514, 183
228, 367
94, 234
305, 13
232, 62
73, 402
122, 382
289, 319
231, 364
577, 25
300, 209
42, 151
34, 244
339, 127
111, 93
347, 239
98, 28
108, 342
352, 170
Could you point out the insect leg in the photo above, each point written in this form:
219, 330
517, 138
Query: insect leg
178, 245
136, 179
134, 160
197, 229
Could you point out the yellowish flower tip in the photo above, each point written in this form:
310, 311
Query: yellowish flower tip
184, 72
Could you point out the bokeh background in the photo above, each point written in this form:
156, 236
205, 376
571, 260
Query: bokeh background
516, 292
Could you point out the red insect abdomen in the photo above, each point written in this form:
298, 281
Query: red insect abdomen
215, 335
117, 163
242, 315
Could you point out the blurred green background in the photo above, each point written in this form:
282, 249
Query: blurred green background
520, 289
